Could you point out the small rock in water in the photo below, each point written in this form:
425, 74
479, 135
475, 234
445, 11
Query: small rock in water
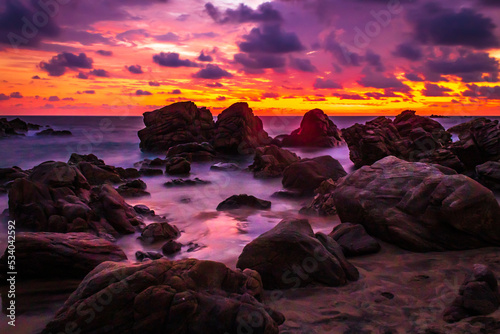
134, 188
171, 247
52, 132
142, 256
185, 182
145, 171
239, 201
159, 231
185, 200
143, 210
194, 247
177, 166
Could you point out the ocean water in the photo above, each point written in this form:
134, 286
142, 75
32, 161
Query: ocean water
221, 236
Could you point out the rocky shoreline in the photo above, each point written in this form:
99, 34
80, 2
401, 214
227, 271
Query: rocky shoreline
417, 201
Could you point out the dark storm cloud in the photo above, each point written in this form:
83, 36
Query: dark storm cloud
491, 93
493, 3
270, 39
82, 37
259, 61
380, 80
58, 64
341, 52
16, 95
303, 65
205, 57
374, 60
264, 13
154, 83
135, 69
172, 59
100, 73
408, 51
212, 72
436, 25
326, 84
104, 53
469, 66
141, 92
175, 92
413, 77
435, 90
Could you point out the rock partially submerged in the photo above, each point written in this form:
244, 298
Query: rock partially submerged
225, 167
185, 182
243, 201
192, 151
58, 255
354, 240
291, 256
177, 166
52, 132
132, 189
188, 296
316, 130
418, 206
271, 161
159, 231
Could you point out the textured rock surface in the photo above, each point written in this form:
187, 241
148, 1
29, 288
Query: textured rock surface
159, 231
489, 174
193, 151
243, 201
271, 161
177, 166
354, 240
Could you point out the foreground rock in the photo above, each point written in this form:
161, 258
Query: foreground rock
271, 161
58, 255
419, 207
243, 201
478, 295
323, 203
409, 137
8, 175
132, 189
354, 240
188, 296
308, 174
489, 174
192, 151
159, 231
290, 256
239, 131
316, 130
177, 166
178, 123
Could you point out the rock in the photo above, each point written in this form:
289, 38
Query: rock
225, 166
271, 161
192, 151
6, 130
178, 123
52, 132
308, 174
321, 205
238, 131
290, 256
354, 240
159, 231
128, 173
240, 201
177, 166
335, 249
90, 158
145, 171
97, 175
194, 247
489, 174
316, 130
187, 296
58, 255
143, 210
8, 175
418, 206
142, 256
32, 126
409, 137
148, 163
171, 247
136, 188
478, 295
290, 194
185, 182
19, 125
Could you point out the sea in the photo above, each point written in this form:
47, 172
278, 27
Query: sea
219, 236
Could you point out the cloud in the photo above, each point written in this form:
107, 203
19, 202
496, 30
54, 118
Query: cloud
205, 57
104, 53
259, 61
100, 73
326, 84
175, 92
168, 37
3, 97
303, 65
132, 35
54, 99
380, 80
264, 13
413, 77
435, 25
172, 59
212, 72
141, 92
214, 85
16, 95
68, 99
82, 75
58, 64
408, 51
270, 95
35, 77
135, 69
490, 93
344, 96
270, 39
385, 94
435, 90
343, 55
221, 98
154, 83
374, 60
86, 92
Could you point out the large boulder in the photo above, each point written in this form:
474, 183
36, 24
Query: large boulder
243, 201
316, 130
19, 125
178, 123
271, 161
162, 296
177, 166
239, 131
8, 175
192, 151
290, 256
308, 174
99, 174
135, 188
489, 174
419, 206
6, 129
57, 255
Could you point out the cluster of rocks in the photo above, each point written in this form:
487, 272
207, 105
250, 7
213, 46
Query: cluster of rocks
15, 127
271, 161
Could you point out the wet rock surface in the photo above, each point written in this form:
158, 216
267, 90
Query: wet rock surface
271, 161
243, 201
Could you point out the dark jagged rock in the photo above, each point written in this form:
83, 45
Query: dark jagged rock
478, 295
143, 210
225, 167
143, 256
354, 240
159, 231
8, 175
57, 255
238, 131
99, 174
290, 256
186, 182
19, 125
76, 158
308, 174
52, 132
192, 151
32, 126
418, 206
489, 174
271, 161
178, 123
187, 296
171, 247
316, 130
136, 188
321, 205
128, 173
6, 129
177, 166
407, 122
194, 247
240, 201
148, 163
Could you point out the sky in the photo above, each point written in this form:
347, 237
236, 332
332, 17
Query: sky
283, 57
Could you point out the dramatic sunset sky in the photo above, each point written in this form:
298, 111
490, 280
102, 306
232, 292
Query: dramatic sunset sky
364, 57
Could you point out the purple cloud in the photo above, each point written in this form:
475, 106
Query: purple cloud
135, 69
58, 64
213, 72
172, 59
